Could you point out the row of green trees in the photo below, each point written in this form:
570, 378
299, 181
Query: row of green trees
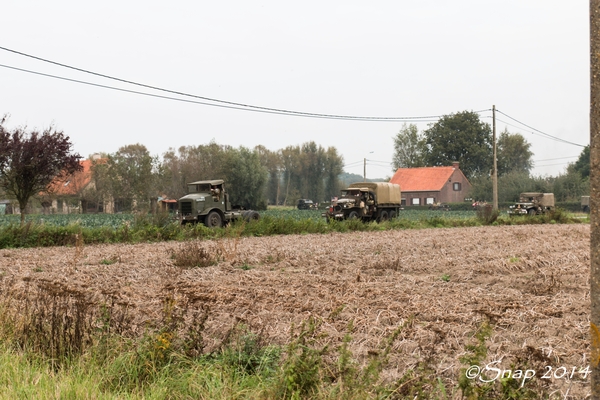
29, 161
465, 138
461, 137
254, 177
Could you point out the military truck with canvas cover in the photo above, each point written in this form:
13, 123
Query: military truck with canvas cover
306, 204
532, 203
208, 202
585, 204
369, 201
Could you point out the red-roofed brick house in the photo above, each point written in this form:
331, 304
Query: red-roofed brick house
75, 194
430, 185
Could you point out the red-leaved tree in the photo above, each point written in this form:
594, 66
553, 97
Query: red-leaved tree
29, 161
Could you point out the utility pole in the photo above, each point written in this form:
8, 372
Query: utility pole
594, 197
365, 168
495, 163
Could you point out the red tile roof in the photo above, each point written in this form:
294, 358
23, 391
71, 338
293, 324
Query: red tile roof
74, 183
422, 179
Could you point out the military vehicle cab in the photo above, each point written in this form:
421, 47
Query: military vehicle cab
208, 202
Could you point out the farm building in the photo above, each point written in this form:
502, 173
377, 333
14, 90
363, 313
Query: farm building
167, 205
9, 207
76, 193
431, 185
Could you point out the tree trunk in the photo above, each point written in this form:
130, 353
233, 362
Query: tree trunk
287, 189
22, 205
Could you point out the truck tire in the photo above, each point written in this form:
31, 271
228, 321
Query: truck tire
353, 215
392, 214
531, 211
251, 216
383, 216
586, 209
213, 220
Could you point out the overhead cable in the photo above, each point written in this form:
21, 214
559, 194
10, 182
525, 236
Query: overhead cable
235, 105
537, 130
552, 159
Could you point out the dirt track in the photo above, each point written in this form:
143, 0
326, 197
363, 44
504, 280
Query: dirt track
530, 282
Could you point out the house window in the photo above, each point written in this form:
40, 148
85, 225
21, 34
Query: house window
415, 201
429, 200
456, 186
403, 202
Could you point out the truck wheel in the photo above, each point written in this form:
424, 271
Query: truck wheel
353, 215
251, 216
392, 214
586, 209
213, 220
383, 216
531, 211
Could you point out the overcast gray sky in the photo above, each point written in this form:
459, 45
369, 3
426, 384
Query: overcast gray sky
378, 59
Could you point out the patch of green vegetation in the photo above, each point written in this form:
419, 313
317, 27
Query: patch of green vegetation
107, 228
509, 385
98, 358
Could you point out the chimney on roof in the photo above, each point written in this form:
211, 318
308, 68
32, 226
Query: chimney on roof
455, 164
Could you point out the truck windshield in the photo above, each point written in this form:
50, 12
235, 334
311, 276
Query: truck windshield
201, 188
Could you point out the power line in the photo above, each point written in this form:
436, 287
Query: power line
235, 105
242, 106
323, 116
386, 165
133, 91
552, 159
550, 165
353, 164
545, 136
378, 161
537, 130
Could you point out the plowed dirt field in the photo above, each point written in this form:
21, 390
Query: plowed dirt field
530, 282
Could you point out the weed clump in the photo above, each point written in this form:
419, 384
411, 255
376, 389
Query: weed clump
193, 255
248, 353
487, 215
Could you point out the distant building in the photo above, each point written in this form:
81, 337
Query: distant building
431, 185
167, 205
8, 207
76, 193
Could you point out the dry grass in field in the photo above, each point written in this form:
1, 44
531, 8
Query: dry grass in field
529, 282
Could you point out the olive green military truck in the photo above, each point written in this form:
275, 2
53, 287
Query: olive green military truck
369, 201
208, 202
531, 203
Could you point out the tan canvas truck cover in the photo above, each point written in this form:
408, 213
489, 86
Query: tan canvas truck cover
585, 200
387, 193
543, 199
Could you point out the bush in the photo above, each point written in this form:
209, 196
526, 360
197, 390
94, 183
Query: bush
487, 215
193, 255
248, 353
